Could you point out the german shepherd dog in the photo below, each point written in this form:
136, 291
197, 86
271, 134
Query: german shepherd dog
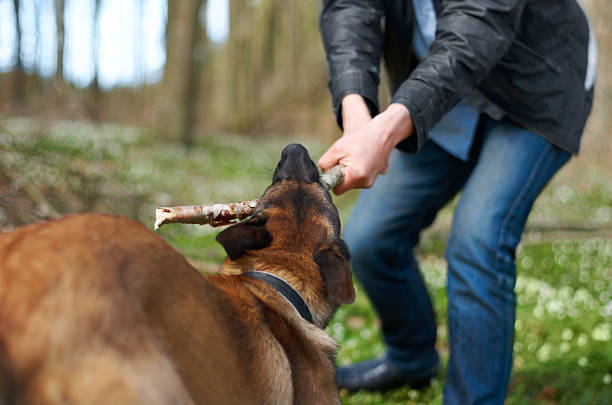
96, 308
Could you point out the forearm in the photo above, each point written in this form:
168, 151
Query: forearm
394, 123
355, 112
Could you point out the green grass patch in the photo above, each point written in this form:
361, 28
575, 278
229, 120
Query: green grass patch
562, 350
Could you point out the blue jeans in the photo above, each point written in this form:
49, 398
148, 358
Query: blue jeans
507, 169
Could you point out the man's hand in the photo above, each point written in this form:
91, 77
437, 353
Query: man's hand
366, 144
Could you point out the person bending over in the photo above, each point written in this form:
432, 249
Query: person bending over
490, 98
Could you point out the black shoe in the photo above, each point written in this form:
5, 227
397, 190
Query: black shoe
379, 375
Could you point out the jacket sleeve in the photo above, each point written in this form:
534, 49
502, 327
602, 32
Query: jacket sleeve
471, 37
353, 40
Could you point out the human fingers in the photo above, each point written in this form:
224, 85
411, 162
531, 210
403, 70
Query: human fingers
355, 176
330, 158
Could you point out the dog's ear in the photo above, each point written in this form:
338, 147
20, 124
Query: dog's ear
333, 262
247, 235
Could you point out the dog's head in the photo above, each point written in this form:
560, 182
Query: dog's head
294, 232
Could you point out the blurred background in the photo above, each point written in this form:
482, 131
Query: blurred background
176, 66
124, 105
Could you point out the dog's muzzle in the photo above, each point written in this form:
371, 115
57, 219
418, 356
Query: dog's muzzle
295, 164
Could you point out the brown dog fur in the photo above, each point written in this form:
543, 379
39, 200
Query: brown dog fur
98, 309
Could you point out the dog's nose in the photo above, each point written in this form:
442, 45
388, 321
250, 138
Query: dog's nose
295, 163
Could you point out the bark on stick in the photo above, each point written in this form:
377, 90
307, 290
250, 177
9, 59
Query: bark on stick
332, 177
227, 213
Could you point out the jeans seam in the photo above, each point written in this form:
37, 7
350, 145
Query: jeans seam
503, 231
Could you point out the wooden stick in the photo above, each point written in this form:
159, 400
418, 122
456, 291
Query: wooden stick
332, 177
225, 214
213, 215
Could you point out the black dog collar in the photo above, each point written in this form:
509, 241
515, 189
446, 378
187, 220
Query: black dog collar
285, 290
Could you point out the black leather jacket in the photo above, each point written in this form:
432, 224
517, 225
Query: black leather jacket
529, 57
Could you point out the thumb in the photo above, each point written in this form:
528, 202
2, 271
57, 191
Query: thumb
329, 159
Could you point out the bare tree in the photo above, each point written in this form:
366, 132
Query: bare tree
181, 70
94, 107
242, 102
59, 23
19, 81
139, 63
270, 44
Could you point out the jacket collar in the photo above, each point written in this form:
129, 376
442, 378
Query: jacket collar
285, 290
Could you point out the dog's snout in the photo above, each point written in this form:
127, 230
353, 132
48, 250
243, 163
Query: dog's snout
293, 149
295, 163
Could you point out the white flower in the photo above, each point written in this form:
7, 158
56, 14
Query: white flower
365, 334
338, 328
554, 307
527, 262
606, 311
583, 296
565, 293
567, 334
351, 343
565, 347
601, 332
561, 259
538, 312
544, 352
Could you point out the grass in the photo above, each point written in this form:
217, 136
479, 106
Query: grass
563, 351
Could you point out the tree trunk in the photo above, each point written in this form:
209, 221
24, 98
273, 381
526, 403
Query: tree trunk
181, 70
242, 102
270, 42
19, 77
139, 62
96, 92
59, 23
